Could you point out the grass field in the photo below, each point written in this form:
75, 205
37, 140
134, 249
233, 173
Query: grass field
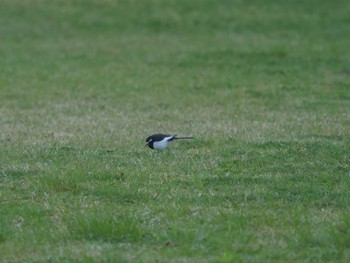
264, 86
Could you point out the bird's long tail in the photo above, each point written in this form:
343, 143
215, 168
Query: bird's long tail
181, 138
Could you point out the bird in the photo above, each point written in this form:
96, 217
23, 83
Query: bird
161, 141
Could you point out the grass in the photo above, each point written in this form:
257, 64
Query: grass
264, 88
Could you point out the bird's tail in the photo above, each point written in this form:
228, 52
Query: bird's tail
181, 138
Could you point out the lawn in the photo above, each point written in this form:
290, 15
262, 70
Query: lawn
263, 86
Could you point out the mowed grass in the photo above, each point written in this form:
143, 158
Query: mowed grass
264, 86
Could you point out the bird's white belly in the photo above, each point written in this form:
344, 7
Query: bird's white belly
160, 145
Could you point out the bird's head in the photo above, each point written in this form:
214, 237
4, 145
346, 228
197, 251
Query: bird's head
148, 141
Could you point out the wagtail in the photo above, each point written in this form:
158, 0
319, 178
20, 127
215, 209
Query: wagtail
162, 141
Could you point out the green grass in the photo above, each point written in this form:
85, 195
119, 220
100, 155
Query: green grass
264, 87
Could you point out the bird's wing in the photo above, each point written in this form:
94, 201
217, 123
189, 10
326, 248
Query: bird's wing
170, 138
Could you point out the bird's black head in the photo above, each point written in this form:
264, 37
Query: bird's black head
149, 142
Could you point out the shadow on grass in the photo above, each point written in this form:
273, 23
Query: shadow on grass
18, 173
104, 227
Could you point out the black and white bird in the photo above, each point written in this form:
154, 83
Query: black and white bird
162, 141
